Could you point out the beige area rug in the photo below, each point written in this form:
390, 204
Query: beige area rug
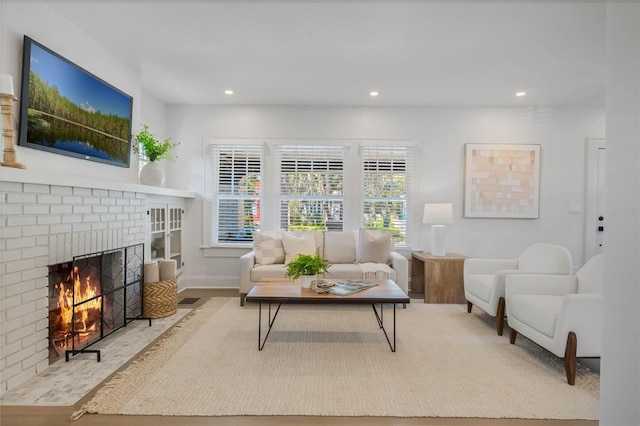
335, 361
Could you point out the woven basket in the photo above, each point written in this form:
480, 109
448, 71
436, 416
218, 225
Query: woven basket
160, 299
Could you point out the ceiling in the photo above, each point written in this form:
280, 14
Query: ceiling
413, 53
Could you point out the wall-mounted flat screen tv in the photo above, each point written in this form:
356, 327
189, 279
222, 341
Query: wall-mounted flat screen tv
66, 110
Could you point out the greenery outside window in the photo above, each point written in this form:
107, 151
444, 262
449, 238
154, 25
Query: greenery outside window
311, 187
386, 182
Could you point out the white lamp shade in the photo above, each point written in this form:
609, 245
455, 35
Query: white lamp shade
6, 86
438, 213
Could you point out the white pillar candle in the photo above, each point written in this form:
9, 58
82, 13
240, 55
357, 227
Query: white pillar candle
7, 84
151, 272
167, 269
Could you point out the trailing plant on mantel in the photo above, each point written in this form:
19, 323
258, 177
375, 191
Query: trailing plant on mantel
306, 264
151, 147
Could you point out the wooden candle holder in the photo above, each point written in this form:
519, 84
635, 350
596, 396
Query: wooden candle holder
6, 103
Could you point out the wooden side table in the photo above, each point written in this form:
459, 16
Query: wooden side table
440, 278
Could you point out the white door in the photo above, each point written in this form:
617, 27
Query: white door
594, 198
600, 214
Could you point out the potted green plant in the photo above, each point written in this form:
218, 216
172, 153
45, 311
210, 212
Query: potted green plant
153, 150
306, 265
151, 146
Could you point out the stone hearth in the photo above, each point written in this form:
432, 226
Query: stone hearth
66, 383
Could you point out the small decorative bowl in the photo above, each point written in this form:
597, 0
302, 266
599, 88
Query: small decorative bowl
321, 286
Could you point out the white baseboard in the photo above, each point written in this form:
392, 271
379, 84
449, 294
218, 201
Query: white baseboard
204, 281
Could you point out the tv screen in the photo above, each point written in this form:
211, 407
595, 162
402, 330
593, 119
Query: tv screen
66, 110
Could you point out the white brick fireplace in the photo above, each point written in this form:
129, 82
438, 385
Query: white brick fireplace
44, 223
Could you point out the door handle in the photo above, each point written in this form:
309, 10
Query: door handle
600, 228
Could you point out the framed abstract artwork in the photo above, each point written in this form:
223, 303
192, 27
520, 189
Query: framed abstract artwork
501, 180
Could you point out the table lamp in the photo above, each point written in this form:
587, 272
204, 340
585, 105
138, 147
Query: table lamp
438, 214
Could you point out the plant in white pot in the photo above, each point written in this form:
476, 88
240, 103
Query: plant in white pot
153, 150
307, 266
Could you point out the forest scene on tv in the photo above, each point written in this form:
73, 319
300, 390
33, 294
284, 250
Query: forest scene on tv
72, 111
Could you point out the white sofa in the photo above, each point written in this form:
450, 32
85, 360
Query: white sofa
561, 313
353, 255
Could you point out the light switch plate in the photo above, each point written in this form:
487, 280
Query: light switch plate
575, 208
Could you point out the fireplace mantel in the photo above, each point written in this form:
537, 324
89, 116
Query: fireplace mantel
25, 176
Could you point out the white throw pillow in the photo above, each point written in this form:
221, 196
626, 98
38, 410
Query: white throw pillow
268, 247
373, 248
293, 245
340, 247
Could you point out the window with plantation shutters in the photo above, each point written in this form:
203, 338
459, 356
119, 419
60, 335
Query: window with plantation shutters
386, 182
294, 185
236, 175
311, 187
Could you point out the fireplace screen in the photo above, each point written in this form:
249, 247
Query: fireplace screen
91, 297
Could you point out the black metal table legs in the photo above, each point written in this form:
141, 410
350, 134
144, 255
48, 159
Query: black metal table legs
380, 319
271, 320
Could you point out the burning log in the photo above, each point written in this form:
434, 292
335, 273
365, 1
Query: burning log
77, 312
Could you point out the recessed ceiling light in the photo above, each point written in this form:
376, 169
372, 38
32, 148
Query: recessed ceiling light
374, 93
228, 92
520, 94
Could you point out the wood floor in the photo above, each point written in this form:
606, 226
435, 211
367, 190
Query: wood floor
58, 416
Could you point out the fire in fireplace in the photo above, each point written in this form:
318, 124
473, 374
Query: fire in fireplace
91, 297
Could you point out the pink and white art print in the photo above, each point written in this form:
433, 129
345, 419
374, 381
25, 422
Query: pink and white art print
502, 180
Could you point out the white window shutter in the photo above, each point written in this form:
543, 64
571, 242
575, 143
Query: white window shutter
311, 187
236, 176
387, 174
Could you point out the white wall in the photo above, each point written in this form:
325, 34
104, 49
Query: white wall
440, 133
620, 384
46, 26
153, 112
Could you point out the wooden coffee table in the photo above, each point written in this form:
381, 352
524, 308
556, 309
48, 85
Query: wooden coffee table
386, 292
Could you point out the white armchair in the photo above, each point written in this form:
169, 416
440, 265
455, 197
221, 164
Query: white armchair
484, 279
563, 314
